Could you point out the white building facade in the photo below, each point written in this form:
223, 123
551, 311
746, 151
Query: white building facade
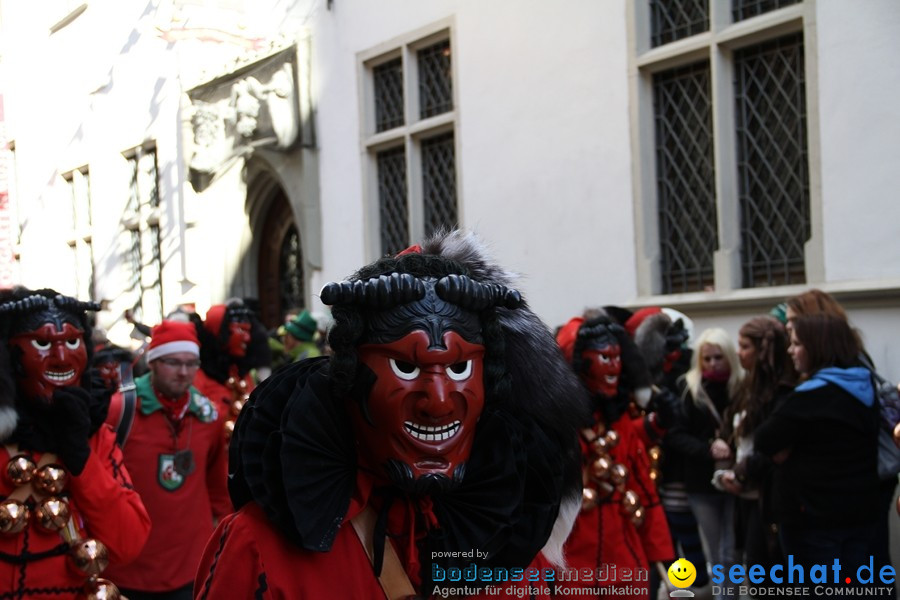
711, 156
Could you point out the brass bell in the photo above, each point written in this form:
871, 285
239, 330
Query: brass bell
654, 453
588, 498
638, 517
90, 556
654, 474
229, 428
612, 438
98, 588
619, 474
52, 513
13, 516
242, 385
51, 479
20, 469
897, 433
600, 468
599, 445
236, 407
604, 490
631, 499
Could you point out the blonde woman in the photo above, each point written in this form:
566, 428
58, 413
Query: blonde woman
702, 437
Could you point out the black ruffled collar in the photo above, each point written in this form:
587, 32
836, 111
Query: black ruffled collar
293, 453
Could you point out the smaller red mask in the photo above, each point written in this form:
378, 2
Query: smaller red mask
50, 359
670, 359
109, 371
423, 406
238, 338
604, 366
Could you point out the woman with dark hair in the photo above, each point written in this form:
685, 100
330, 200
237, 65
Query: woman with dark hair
823, 439
762, 351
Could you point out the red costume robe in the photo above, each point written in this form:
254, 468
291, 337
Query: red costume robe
106, 507
606, 541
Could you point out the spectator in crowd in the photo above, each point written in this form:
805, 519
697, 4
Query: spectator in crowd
178, 459
815, 301
823, 440
621, 521
762, 350
66, 494
444, 423
708, 389
299, 336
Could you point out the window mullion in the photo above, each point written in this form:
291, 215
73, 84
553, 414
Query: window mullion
727, 258
414, 185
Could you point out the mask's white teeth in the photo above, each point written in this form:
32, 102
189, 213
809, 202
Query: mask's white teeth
427, 433
59, 377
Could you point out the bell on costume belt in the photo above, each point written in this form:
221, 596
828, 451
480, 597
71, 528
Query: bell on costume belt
239, 396
46, 484
603, 477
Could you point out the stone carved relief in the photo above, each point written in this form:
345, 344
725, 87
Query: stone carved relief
256, 106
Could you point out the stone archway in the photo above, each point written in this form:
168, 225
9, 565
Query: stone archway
281, 276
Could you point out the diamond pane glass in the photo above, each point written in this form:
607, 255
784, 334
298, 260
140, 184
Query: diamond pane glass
672, 20
745, 9
439, 182
392, 206
290, 268
685, 178
773, 173
388, 78
435, 82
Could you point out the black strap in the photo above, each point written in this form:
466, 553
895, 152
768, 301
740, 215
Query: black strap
129, 401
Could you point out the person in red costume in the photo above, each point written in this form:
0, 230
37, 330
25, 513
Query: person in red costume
228, 352
434, 453
621, 528
178, 458
68, 506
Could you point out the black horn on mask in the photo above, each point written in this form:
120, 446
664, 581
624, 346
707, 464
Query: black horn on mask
379, 293
473, 295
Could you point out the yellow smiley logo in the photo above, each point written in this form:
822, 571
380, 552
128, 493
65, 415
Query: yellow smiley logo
682, 573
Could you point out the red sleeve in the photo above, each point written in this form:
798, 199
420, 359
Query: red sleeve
217, 475
654, 532
111, 508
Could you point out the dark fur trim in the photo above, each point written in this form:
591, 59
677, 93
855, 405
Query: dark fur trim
650, 337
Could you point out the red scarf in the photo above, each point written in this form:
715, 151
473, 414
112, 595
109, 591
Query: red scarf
175, 408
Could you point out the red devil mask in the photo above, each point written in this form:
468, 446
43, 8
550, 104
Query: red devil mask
423, 406
238, 338
53, 355
603, 365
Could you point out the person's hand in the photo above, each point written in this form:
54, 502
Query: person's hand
730, 483
70, 421
719, 449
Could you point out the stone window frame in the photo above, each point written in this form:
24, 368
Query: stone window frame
411, 134
717, 45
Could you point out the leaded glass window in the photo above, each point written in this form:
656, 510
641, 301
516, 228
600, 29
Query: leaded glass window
685, 178
392, 203
672, 20
439, 182
435, 82
290, 266
745, 9
772, 161
388, 79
